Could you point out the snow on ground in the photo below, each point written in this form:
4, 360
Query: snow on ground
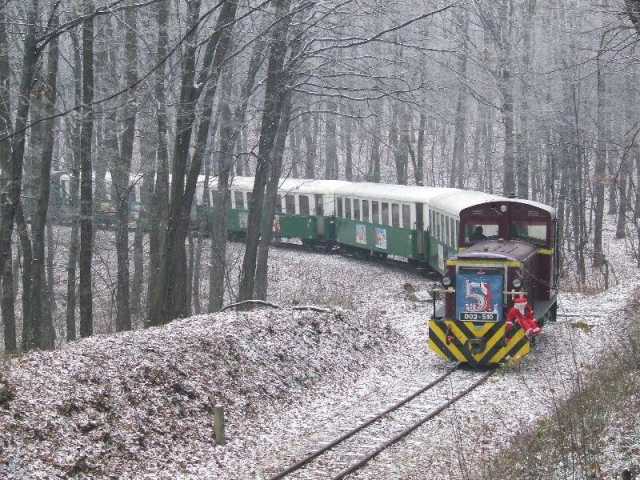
138, 404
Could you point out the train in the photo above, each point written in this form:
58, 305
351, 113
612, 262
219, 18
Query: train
492, 252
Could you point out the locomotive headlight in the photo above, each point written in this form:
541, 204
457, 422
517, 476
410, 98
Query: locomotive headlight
517, 283
446, 281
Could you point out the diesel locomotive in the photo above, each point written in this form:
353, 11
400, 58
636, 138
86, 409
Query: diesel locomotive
493, 252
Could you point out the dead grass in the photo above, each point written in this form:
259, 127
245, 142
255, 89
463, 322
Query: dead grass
570, 443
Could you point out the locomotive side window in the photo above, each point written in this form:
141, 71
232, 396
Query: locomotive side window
375, 212
340, 207
385, 214
239, 200
395, 215
319, 205
304, 205
533, 232
347, 208
290, 204
356, 209
406, 216
365, 210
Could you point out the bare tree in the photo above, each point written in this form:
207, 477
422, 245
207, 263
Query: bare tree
86, 193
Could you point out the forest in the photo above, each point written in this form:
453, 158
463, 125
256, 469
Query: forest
533, 98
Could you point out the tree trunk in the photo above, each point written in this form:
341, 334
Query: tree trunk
170, 299
120, 175
159, 211
8, 290
10, 196
262, 268
458, 170
74, 190
419, 170
599, 173
40, 297
86, 194
374, 159
269, 128
31, 327
347, 127
8, 310
331, 142
311, 147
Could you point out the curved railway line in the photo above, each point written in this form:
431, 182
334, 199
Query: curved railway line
364, 439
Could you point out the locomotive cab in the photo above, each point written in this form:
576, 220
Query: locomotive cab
506, 250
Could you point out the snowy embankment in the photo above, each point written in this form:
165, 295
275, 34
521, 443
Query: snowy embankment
138, 405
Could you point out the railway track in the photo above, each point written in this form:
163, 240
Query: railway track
352, 450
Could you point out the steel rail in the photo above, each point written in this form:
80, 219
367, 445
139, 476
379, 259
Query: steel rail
349, 434
364, 460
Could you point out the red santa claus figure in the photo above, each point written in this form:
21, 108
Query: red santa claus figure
522, 314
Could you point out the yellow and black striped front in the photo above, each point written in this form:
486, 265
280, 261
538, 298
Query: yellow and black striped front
478, 344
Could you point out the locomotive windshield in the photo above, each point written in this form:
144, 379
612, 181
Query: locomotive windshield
530, 232
475, 232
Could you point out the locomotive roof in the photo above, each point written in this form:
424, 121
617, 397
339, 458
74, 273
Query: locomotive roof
453, 202
499, 249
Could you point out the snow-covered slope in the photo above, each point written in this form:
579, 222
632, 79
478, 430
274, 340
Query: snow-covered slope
138, 404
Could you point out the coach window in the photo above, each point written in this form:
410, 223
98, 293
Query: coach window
443, 228
385, 214
356, 209
395, 215
447, 230
375, 212
406, 216
304, 205
319, 205
339, 207
457, 236
239, 200
278, 208
365, 210
290, 204
347, 208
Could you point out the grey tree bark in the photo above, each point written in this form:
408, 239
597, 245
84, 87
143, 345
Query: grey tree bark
120, 174
269, 128
599, 174
458, 170
74, 189
86, 194
41, 313
170, 297
159, 209
8, 292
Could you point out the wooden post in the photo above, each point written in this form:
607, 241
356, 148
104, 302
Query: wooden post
218, 425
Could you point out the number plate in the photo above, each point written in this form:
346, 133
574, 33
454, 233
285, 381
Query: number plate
479, 317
